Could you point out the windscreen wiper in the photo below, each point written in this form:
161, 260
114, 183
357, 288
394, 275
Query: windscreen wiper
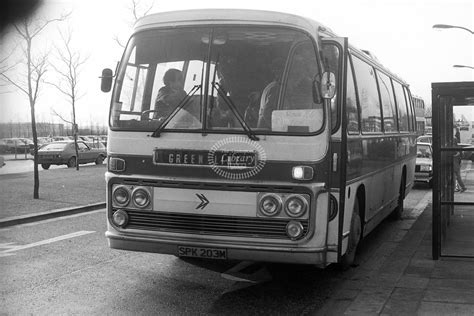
234, 110
178, 108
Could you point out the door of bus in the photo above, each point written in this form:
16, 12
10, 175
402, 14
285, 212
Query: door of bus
335, 60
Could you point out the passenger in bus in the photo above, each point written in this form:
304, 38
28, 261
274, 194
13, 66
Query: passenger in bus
170, 95
269, 98
299, 92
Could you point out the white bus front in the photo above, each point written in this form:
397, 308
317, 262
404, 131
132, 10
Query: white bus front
235, 166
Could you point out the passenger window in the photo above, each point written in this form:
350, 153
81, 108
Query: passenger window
371, 118
388, 103
351, 103
403, 124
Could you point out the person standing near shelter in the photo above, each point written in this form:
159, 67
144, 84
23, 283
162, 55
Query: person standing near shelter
457, 167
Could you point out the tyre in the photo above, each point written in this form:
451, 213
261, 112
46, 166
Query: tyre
355, 235
45, 166
398, 211
71, 163
99, 160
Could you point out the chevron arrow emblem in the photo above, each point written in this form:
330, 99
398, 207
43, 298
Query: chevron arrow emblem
203, 200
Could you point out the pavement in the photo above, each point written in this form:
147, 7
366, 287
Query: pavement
398, 278
401, 278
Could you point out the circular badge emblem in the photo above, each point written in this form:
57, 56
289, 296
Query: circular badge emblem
237, 158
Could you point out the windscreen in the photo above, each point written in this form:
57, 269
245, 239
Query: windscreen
219, 79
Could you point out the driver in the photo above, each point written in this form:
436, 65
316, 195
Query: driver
171, 94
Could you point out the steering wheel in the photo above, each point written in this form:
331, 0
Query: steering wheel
144, 116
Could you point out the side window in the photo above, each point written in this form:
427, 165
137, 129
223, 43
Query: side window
133, 85
403, 124
351, 102
388, 103
371, 118
81, 146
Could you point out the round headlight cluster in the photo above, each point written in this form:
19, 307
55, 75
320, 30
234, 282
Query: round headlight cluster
296, 206
141, 197
270, 204
120, 218
121, 196
294, 229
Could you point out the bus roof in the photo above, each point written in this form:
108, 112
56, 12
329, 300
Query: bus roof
244, 16
226, 16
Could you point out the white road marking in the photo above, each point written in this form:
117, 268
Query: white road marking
12, 248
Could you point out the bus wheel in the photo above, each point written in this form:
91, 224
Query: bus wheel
398, 211
355, 235
45, 166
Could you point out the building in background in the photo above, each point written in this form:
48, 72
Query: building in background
12, 129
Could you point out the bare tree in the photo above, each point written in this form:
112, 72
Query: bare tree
36, 67
68, 69
137, 9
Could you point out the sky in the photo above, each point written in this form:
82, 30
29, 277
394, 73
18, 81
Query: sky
398, 32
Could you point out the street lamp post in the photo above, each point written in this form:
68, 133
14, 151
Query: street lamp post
462, 66
447, 26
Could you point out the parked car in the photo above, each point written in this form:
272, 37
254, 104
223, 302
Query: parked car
96, 144
18, 145
424, 163
62, 138
42, 141
425, 139
64, 153
3, 146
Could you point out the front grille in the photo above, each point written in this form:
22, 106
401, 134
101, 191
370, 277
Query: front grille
253, 227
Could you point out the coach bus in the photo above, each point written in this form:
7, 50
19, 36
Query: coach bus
253, 135
419, 106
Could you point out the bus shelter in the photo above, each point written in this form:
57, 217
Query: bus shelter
453, 152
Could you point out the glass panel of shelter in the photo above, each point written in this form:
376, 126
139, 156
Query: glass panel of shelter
457, 180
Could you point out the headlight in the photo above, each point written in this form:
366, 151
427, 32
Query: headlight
425, 168
294, 229
270, 204
296, 206
120, 218
121, 196
141, 197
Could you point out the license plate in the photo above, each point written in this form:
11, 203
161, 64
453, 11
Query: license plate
197, 252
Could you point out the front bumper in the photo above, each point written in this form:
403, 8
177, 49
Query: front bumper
423, 176
234, 252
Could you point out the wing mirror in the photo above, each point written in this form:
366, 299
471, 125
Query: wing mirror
328, 85
106, 80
